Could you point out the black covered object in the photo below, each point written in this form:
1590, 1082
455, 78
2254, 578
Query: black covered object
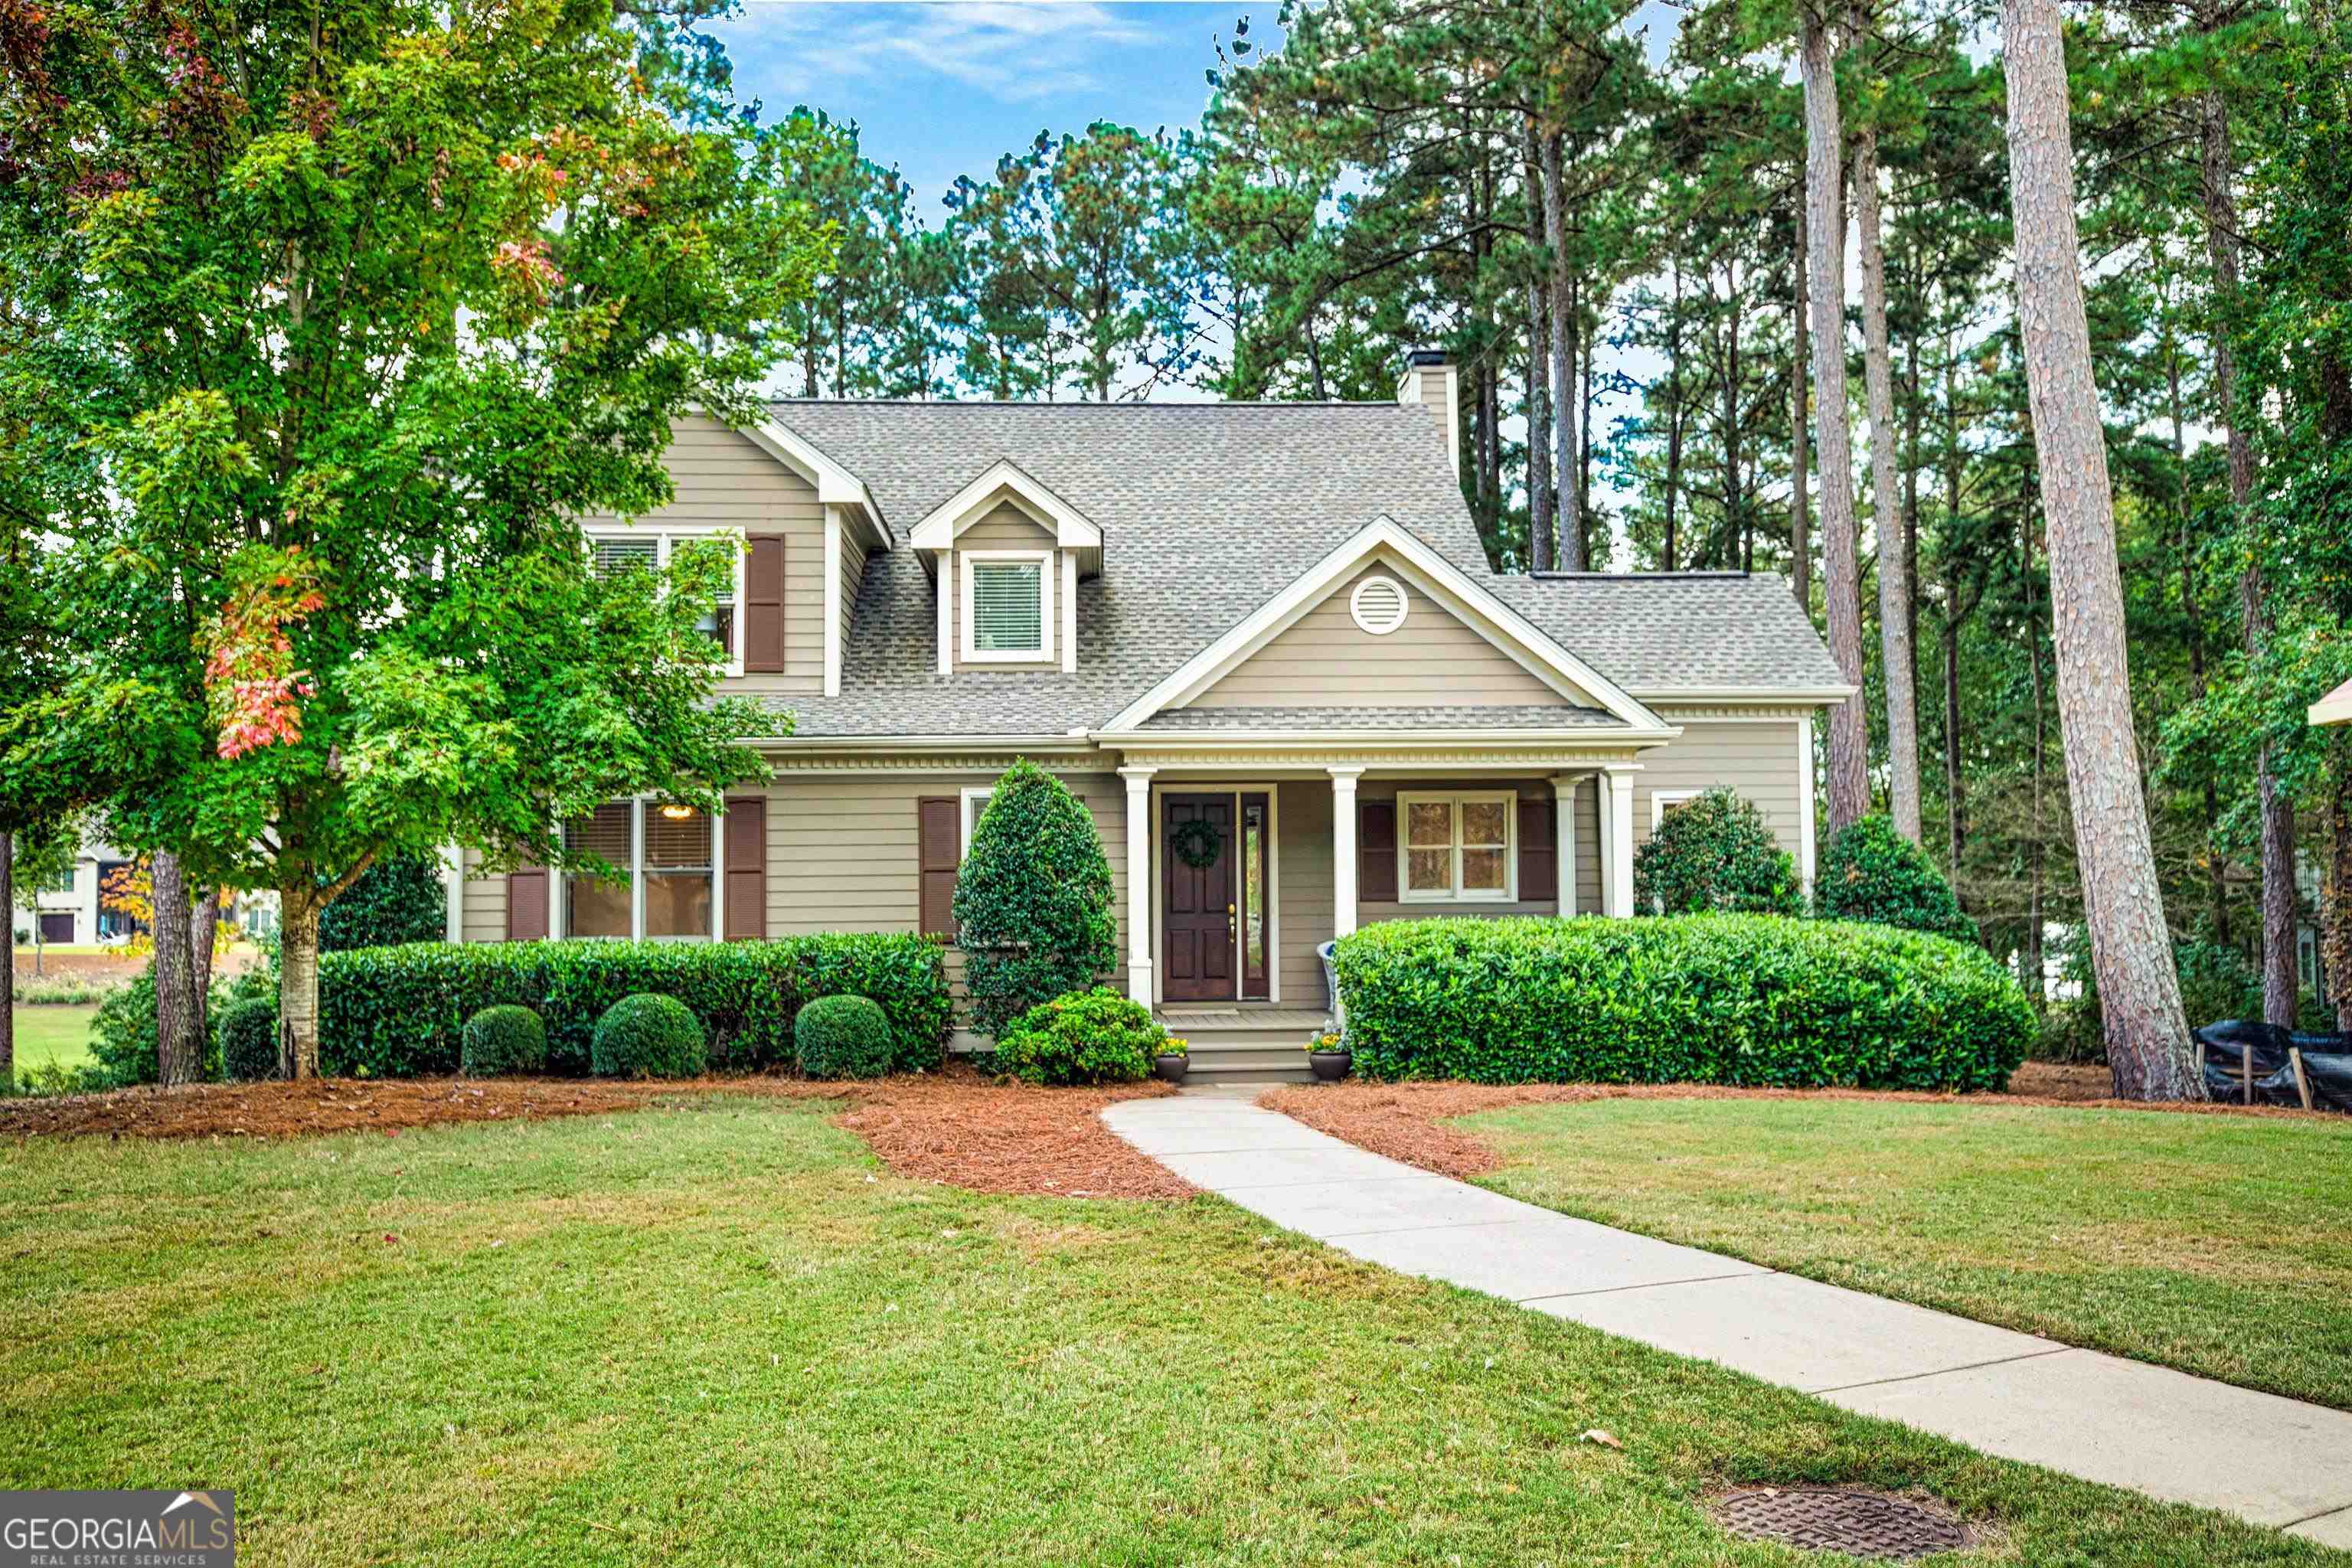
2327, 1064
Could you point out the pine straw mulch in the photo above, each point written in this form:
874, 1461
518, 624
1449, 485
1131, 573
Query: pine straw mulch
954, 1126
1407, 1121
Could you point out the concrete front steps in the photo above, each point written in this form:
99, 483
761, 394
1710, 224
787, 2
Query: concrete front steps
1245, 1044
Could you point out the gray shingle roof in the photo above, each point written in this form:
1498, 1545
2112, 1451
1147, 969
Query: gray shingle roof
1507, 716
1208, 510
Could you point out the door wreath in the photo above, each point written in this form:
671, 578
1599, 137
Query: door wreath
1197, 843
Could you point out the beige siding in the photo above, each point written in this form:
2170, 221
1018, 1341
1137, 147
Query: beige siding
1756, 758
1302, 877
1326, 659
1006, 528
1585, 808
484, 918
722, 481
853, 577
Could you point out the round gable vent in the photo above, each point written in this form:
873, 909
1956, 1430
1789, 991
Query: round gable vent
1377, 606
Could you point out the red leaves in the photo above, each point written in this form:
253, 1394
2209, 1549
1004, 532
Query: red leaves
254, 690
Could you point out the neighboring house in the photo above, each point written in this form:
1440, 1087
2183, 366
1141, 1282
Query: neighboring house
1273, 620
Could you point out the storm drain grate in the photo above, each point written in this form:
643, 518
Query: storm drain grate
1824, 1519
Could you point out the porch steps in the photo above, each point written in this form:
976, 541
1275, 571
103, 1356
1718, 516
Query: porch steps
1246, 1045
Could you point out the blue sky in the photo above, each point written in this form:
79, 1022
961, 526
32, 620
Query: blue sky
944, 89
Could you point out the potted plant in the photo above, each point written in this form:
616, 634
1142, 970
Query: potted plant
1173, 1061
1329, 1056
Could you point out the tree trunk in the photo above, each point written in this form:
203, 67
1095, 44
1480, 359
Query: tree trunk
1801, 520
2336, 942
8, 1014
2277, 811
179, 1042
298, 981
1539, 493
2194, 635
1674, 412
1955, 804
204, 921
1849, 761
2122, 904
2037, 982
1887, 506
1570, 528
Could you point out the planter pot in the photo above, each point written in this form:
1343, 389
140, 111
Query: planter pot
1329, 1066
1170, 1068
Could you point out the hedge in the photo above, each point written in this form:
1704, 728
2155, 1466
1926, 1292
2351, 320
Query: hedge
1732, 999
648, 1035
400, 1012
1087, 1037
249, 1039
842, 1037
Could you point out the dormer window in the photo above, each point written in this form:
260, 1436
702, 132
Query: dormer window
1008, 606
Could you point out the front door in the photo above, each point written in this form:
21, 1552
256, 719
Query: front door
1198, 921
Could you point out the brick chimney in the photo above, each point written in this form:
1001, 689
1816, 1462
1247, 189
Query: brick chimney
1431, 380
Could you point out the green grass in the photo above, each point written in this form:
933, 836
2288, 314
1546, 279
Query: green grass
2221, 1246
53, 1036
720, 1333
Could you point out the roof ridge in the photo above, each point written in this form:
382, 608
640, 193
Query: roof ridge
1030, 403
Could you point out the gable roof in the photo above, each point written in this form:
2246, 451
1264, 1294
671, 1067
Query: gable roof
1209, 511
1004, 481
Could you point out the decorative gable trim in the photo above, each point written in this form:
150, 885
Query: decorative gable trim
836, 486
1006, 481
1434, 576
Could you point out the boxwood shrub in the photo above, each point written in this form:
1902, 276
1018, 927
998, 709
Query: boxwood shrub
399, 1012
1732, 999
503, 1038
1087, 1037
842, 1037
648, 1035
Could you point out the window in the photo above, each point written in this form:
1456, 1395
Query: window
975, 801
1663, 801
1008, 606
640, 549
63, 882
666, 890
1457, 848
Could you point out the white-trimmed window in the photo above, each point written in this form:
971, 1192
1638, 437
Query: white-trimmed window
1663, 801
1458, 847
651, 549
666, 890
975, 801
1008, 606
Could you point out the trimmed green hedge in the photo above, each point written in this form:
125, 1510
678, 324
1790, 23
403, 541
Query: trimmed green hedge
648, 1035
1087, 1037
399, 1012
502, 1039
842, 1037
1733, 999
249, 1039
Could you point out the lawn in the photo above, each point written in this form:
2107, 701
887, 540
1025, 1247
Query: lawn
720, 1331
2220, 1245
53, 1036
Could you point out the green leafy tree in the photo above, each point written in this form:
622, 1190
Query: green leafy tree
1871, 872
356, 313
1032, 902
1714, 852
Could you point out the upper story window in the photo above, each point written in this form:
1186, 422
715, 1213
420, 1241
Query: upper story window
1008, 606
1457, 848
648, 549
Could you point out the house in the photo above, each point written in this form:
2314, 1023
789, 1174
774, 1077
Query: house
1261, 641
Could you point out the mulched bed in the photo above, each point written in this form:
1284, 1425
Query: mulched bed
1406, 1120
955, 1127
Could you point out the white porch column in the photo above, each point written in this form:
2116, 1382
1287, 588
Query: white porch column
1617, 838
1139, 883
453, 873
1563, 838
1343, 849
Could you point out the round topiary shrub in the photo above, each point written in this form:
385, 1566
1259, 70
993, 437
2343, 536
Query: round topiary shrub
1032, 900
249, 1040
1874, 873
507, 1038
646, 1036
842, 1037
1713, 852
400, 899
1088, 1036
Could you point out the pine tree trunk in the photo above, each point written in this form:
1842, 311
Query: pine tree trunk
2192, 626
179, 1045
203, 923
8, 1014
1540, 495
1800, 420
1887, 506
298, 981
1849, 761
2279, 982
1674, 411
2123, 905
1570, 528
2336, 942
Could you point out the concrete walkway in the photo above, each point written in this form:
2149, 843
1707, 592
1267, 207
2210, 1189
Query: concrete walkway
2187, 1439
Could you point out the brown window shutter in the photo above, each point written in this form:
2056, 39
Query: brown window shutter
763, 604
939, 856
527, 894
1376, 858
1539, 853
747, 868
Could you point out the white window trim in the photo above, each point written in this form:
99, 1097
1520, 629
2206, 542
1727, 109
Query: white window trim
1660, 799
1457, 894
1044, 560
559, 905
663, 538
975, 800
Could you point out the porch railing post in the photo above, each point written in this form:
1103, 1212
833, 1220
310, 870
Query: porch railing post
1139, 882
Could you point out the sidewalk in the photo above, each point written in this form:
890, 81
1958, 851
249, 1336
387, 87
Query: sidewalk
2273, 1461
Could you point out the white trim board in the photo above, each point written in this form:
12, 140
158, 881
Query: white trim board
833, 483
1006, 481
1423, 568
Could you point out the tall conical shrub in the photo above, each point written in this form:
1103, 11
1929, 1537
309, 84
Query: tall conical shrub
1032, 903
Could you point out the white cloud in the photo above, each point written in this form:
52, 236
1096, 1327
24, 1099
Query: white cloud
1012, 52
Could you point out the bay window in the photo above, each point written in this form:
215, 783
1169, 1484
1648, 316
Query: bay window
1457, 848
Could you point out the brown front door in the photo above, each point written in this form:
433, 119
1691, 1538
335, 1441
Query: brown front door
1198, 917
